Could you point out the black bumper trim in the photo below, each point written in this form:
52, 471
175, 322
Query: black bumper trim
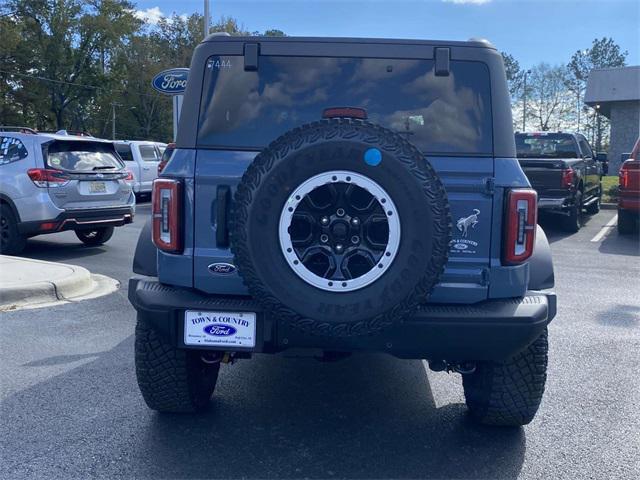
490, 330
81, 219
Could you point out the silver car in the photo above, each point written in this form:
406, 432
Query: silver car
55, 182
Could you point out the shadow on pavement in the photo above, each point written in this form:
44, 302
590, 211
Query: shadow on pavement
626, 316
552, 226
56, 251
368, 416
60, 360
620, 244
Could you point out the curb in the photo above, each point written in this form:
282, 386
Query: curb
73, 281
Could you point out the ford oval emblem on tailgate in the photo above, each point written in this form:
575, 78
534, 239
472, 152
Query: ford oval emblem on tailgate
222, 268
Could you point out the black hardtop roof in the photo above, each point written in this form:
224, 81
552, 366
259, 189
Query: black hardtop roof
473, 42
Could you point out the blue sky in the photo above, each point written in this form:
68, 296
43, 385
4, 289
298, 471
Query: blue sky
531, 30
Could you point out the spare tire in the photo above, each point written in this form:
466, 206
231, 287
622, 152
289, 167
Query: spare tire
340, 228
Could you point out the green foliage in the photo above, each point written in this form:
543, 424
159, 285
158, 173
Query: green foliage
610, 189
603, 53
514, 73
69, 63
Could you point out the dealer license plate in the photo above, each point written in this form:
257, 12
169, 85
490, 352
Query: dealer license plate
97, 187
223, 329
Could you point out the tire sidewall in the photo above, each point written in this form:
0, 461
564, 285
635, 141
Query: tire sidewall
288, 294
15, 242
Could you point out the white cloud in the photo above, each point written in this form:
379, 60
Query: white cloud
153, 15
150, 15
473, 2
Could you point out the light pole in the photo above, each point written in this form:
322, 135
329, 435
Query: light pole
598, 139
524, 102
579, 105
206, 18
113, 119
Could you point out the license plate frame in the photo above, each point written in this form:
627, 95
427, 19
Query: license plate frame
97, 187
220, 329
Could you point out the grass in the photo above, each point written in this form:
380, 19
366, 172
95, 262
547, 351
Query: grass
610, 189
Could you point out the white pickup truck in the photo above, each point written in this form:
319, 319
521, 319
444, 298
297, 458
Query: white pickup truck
141, 159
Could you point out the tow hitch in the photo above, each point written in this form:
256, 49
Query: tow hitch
463, 368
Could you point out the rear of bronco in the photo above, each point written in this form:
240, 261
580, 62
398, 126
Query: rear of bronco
345, 195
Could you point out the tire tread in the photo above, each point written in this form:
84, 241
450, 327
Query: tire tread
509, 394
344, 129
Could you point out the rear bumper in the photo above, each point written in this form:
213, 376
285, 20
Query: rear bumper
83, 219
490, 330
629, 201
552, 203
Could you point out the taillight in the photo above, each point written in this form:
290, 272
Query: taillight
567, 177
129, 177
624, 176
46, 177
167, 213
521, 221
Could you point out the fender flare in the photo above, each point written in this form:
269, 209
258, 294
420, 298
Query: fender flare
541, 274
145, 260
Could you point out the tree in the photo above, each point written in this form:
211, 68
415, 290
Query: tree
514, 73
66, 64
548, 102
274, 32
603, 53
67, 41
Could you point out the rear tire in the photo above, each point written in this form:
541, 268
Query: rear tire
509, 393
573, 222
11, 241
627, 222
171, 379
94, 237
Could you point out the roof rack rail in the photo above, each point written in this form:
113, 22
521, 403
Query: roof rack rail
77, 133
9, 128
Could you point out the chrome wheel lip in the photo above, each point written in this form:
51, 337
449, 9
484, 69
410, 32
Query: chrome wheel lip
298, 195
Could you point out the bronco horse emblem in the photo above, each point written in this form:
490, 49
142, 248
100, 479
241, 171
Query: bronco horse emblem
465, 222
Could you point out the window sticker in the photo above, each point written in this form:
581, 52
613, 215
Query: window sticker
11, 150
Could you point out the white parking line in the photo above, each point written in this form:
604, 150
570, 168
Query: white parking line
606, 229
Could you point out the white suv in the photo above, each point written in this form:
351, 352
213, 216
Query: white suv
55, 182
141, 159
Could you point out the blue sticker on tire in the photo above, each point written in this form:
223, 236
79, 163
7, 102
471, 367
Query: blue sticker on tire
373, 157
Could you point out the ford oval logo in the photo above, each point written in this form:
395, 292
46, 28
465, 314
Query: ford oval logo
460, 246
171, 82
222, 268
219, 330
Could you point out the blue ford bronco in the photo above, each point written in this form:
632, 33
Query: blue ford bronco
340, 196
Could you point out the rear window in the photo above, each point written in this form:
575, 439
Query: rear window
546, 145
149, 153
438, 114
81, 156
166, 155
124, 150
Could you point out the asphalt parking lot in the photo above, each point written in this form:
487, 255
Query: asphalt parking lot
70, 406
